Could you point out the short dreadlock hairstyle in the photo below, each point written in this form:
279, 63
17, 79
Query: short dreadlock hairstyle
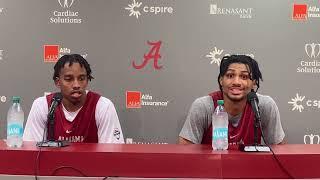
254, 71
71, 58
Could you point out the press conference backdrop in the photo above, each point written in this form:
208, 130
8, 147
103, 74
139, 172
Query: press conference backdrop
153, 58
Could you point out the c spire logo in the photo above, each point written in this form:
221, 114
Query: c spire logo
215, 55
133, 9
3, 99
136, 8
297, 103
312, 50
154, 54
66, 3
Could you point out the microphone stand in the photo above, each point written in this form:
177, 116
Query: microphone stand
256, 147
51, 142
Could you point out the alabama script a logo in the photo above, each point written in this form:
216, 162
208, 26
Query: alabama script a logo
152, 54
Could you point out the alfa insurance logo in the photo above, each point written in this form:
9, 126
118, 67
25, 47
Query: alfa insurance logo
137, 99
136, 9
302, 12
51, 53
216, 55
243, 13
310, 64
300, 102
64, 15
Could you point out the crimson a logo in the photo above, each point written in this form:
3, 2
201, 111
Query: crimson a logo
66, 3
153, 54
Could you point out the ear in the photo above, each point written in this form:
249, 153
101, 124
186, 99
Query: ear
254, 85
57, 82
220, 81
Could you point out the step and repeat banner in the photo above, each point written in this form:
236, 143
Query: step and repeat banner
153, 58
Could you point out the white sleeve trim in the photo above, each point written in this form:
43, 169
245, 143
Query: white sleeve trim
109, 129
36, 121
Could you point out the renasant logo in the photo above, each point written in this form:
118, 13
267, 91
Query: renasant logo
244, 13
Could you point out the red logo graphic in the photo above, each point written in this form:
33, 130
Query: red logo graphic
153, 54
133, 99
299, 12
51, 53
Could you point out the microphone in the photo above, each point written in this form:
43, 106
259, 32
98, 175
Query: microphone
57, 97
56, 100
254, 101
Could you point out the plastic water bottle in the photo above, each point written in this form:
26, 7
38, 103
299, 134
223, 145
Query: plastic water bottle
220, 127
15, 118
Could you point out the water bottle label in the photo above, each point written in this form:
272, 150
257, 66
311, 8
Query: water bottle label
15, 130
220, 133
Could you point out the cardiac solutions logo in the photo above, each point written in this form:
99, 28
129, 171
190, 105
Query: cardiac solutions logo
243, 13
65, 16
51, 53
312, 63
300, 102
311, 139
1, 54
136, 99
135, 9
215, 56
301, 12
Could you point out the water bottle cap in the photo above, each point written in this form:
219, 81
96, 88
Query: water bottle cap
220, 102
16, 99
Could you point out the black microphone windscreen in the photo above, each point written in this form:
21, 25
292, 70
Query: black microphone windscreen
57, 97
251, 96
